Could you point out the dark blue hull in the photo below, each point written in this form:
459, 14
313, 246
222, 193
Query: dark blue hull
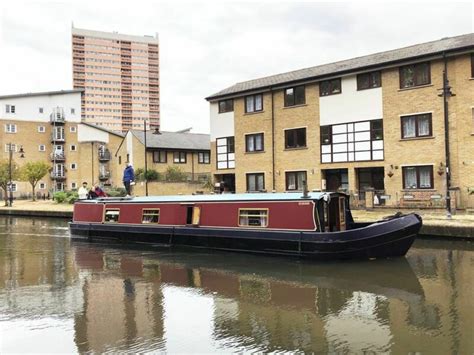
390, 238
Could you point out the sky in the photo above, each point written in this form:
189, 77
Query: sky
208, 46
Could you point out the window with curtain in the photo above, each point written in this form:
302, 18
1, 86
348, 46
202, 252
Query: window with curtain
418, 177
414, 126
255, 182
254, 142
295, 138
295, 180
415, 75
254, 103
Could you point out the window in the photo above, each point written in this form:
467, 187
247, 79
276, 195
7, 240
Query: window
72, 148
255, 182
73, 185
253, 217
415, 75
10, 108
42, 185
254, 142
369, 80
11, 146
295, 180
13, 187
295, 96
73, 166
357, 141
254, 103
42, 148
330, 87
418, 177
295, 138
416, 126
225, 148
226, 105
41, 110
159, 156
111, 216
151, 216
179, 157
73, 111
204, 157
472, 65
10, 128
73, 129
41, 129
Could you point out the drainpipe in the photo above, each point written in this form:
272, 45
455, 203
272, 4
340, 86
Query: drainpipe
273, 142
446, 94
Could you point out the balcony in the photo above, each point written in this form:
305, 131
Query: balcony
57, 117
58, 175
104, 175
104, 155
58, 157
57, 138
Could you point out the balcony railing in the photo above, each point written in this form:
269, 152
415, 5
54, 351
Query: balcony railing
104, 175
57, 138
104, 155
58, 175
58, 157
57, 116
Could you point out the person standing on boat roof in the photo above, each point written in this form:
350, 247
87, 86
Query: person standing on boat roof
128, 178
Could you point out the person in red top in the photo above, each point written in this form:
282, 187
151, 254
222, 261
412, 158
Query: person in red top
99, 192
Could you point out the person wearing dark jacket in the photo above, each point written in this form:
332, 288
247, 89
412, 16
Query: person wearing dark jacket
128, 177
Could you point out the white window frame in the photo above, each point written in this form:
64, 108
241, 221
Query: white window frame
10, 109
73, 185
73, 166
73, 129
13, 187
71, 149
42, 148
42, 186
7, 148
41, 129
10, 128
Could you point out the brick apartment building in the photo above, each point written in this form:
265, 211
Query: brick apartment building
47, 125
120, 77
375, 121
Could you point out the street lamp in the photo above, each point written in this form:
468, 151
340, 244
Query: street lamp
10, 159
156, 131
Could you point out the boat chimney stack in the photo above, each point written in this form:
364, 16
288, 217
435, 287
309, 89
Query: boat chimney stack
305, 190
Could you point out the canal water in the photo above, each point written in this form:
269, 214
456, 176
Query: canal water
62, 295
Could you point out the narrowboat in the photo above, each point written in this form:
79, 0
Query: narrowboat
317, 225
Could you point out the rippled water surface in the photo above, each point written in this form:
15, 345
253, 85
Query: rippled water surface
58, 295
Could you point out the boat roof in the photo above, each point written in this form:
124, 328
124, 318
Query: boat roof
221, 197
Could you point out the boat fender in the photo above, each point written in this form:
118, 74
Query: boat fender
327, 198
393, 216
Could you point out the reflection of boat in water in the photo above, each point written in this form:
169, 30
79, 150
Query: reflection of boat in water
347, 276
316, 226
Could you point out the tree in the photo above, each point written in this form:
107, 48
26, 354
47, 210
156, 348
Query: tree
5, 177
33, 172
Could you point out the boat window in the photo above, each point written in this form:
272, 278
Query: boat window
151, 216
253, 217
111, 216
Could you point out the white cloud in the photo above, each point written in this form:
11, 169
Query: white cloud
205, 47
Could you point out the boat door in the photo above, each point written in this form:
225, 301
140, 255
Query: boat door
193, 215
342, 213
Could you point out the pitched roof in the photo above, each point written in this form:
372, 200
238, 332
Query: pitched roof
175, 140
369, 61
103, 129
42, 93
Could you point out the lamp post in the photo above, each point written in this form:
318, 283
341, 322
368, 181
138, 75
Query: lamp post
10, 182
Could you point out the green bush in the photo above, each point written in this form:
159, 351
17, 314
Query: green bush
72, 196
174, 173
60, 196
140, 174
152, 175
116, 192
